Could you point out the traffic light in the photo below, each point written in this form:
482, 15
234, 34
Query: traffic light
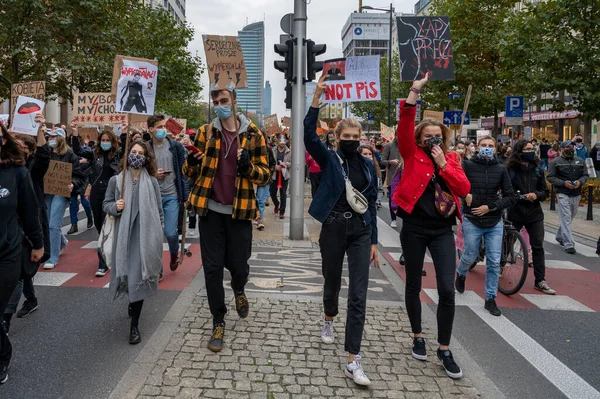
288, 95
287, 65
312, 65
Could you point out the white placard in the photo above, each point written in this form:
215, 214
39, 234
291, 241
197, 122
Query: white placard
4, 120
360, 82
136, 91
24, 118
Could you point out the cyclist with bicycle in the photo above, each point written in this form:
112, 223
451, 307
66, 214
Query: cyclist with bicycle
483, 217
529, 183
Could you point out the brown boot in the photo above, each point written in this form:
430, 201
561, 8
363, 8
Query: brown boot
174, 262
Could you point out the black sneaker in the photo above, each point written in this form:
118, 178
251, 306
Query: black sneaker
560, 242
241, 304
3, 374
5, 327
449, 364
90, 222
490, 306
570, 251
460, 283
102, 270
419, 350
73, 229
29, 306
215, 343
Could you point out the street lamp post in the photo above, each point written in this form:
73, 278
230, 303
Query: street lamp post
391, 11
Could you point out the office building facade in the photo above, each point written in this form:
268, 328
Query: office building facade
267, 99
252, 39
174, 7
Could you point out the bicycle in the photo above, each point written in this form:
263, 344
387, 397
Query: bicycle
514, 261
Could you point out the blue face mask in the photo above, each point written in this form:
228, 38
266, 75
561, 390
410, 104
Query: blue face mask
161, 134
106, 146
486, 153
52, 143
223, 112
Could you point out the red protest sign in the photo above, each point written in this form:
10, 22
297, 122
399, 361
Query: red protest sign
173, 126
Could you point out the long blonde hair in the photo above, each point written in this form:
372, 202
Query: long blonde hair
347, 123
61, 146
446, 133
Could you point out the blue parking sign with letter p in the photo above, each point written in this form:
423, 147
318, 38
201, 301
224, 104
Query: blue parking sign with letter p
514, 106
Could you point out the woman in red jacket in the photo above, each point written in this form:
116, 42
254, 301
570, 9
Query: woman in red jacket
428, 202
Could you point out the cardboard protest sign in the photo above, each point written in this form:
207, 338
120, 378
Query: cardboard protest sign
360, 83
434, 115
182, 122
35, 90
225, 61
324, 125
89, 133
387, 132
57, 179
286, 121
134, 85
173, 126
95, 108
272, 125
23, 119
425, 46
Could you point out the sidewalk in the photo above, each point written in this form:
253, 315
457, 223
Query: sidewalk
277, 351
587, 229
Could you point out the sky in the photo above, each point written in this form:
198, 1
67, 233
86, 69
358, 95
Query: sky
326, 19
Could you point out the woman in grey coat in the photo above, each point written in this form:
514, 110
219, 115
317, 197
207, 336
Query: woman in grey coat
136, 257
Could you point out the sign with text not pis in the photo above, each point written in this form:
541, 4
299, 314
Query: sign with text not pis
57, 179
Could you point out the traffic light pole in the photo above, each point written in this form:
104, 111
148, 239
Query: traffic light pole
299, 100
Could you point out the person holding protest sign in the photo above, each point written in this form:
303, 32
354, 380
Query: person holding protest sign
57, 204
20, 228
174, 189
428, 199
104, 165
345, 203
37, 155
137, 245
230, 155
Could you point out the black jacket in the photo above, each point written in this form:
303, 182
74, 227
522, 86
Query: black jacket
95, 164
17, 199
562, 170
487, 178
527, 179
38, 166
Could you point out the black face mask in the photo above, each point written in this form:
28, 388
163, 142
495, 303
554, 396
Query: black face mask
528, 156
432, 142
568, 153
349, 147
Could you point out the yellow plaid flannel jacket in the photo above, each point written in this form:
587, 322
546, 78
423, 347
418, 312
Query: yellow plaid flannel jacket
209, 142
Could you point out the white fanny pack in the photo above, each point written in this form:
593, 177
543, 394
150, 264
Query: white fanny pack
357, 201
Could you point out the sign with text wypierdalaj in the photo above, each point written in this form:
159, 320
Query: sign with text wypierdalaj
356, 81
134, 85
225, 62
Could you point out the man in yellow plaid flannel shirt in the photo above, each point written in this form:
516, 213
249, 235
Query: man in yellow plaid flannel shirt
224, 199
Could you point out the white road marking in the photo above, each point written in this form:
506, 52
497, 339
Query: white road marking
563, 264
81, 228
557, 373
52, 279
94, 245
388, 236
580, 248
556, 302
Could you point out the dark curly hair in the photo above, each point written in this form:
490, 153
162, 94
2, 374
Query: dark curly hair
114, 141
515, 157
150, 164
11, 152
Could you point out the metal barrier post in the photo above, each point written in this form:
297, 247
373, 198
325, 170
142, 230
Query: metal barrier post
552, 199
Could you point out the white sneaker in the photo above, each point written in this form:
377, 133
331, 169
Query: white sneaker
394, 224
192, 233
355, 371
327, 333
48, 266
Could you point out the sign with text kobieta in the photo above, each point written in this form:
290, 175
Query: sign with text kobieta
57, 179
225, 61
35, 90
354, 79
95, 108
425, 45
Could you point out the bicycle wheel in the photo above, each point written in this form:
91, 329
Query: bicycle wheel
514, 263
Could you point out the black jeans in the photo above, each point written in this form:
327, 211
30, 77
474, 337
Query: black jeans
415, 241
315, 179
536, 239
96, 198
392, 213
282, 194
24, 286
10, 271
224, 243
341, 236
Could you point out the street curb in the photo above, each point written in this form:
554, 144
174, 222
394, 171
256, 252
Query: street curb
583, 239
472, 370
134, 378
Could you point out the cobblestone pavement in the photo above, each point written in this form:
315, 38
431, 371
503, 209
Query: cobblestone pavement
277, 353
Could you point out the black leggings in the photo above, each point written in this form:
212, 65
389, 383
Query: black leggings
136, 311
415, 241
96, 199
10, 271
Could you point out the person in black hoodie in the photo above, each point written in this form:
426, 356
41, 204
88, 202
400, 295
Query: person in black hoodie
37, 162
55, 203
483, 217
17, 198
528, 181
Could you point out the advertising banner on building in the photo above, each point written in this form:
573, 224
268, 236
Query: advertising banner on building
425, 45
354, 80
225, 61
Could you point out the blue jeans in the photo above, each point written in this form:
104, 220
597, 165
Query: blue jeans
171, 217
74, 208
262, 193
56, 211
544, 163
493, 252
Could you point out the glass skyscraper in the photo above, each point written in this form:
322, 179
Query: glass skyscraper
252, 39
267, 99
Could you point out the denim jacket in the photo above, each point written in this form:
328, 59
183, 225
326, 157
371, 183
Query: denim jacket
332, 181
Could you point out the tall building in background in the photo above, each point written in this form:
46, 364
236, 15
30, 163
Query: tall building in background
251, 99
267, 99
422, 7
175, 7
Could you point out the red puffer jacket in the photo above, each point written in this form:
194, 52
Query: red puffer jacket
418, 167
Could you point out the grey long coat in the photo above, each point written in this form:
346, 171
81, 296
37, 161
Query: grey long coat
390, 152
